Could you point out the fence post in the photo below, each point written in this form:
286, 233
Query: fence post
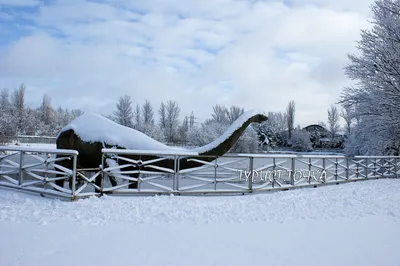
176, 174
366, 167
250, 180
382, 167
292, 168
357, 169
395, 167
273, 173
21, 171
323, 169
336, 169
215, 173
347, 168
309, 170
73, 187
102, 179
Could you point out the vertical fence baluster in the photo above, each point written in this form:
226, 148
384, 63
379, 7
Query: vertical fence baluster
178, 164
324, 169
336, 169
21, 171
215, 173
366, 167
273, 173
292, 168
309, 170
357, 169
73, 187
250, 184
102, 175
175, 181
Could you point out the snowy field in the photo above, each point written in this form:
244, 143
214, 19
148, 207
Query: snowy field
349, 224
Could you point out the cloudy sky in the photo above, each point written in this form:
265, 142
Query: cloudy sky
256, 54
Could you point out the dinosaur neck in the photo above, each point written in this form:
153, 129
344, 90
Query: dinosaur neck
224, 143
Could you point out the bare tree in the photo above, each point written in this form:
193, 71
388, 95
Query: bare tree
47, 112
7, 120
224, 116
290, 112
348, 115
147, 114
4, 100
234, 113
123, 114
220, 114
172, 121
18, 100
138, 118
277, 122
184, 129
163, 116
333, 121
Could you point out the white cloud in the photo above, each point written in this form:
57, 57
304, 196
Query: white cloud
256, 55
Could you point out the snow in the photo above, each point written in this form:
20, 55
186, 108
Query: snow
34, 145
150, 152
350, 224
92, 127
38, 149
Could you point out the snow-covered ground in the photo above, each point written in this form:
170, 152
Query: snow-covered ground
348, 224
34, 145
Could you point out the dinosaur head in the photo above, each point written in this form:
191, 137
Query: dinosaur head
260, 118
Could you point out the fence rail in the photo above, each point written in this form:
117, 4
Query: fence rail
135, 172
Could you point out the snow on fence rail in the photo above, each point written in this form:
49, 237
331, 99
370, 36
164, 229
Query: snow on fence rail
135, 172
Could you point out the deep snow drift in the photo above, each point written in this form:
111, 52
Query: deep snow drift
348, 224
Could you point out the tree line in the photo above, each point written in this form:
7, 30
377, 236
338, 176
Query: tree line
163, 123
17, 118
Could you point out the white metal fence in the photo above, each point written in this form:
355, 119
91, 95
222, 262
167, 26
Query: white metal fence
130, 172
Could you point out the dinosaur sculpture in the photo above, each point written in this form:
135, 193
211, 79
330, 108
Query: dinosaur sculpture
90, 132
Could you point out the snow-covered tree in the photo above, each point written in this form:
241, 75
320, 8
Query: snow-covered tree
147, 124
290, 112
148, 113
137, 114
333, 121
123, 114
7, 119
183, 130
375, 95
301, 140
163, 116
234, 113
219, 114
46, 111
347, 114
18, 102
269, 131
172, 112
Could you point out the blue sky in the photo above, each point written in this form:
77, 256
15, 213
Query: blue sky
255, 54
